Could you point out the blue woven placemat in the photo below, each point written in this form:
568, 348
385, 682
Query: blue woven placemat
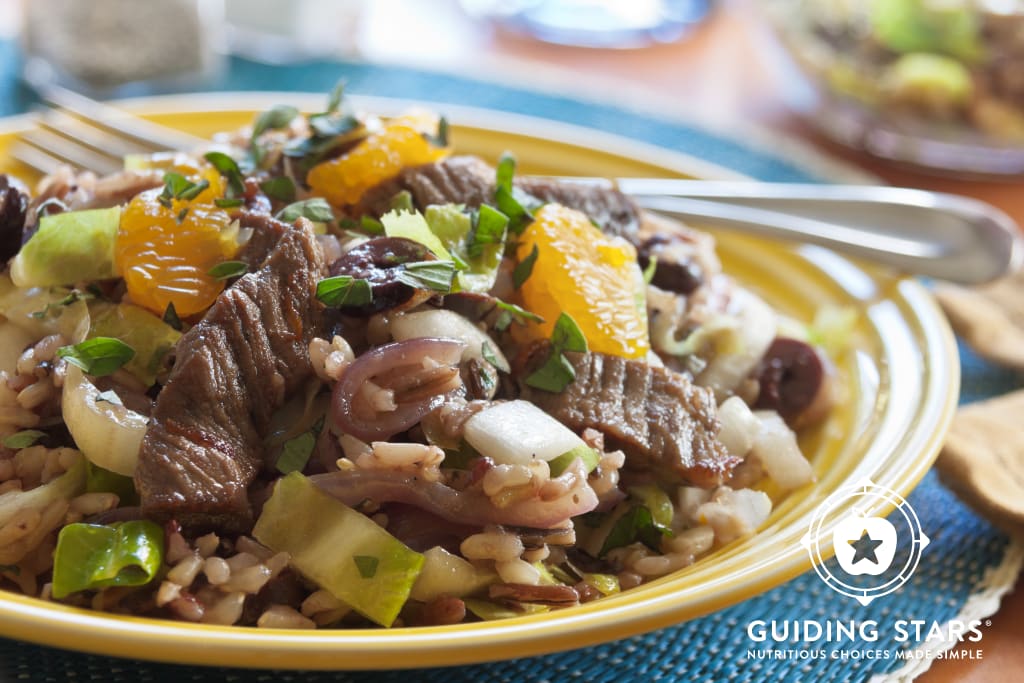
964, 547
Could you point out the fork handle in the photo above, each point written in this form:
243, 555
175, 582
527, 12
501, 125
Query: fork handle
925, 233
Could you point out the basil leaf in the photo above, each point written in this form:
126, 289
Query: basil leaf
344, 290
316, 210
649, 270
441, 139
567, 335
23, 439
228, 168
433, 275
297, 450
489, 228
554, 376
334, 99
228, 269
367, 565
278, 116
228, 203
98, 356
282, 188
521, 273
171, 317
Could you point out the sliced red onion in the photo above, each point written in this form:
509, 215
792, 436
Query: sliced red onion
353, 487
398, 362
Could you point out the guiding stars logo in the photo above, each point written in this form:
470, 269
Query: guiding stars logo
871, 556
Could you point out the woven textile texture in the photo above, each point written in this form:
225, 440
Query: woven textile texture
716, 647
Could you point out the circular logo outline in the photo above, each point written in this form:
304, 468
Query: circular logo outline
864, 487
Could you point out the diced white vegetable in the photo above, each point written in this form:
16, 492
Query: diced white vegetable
735, 514
449, 325
756, 325
447, 574
739, 426
108, 434
779, 453
516, 432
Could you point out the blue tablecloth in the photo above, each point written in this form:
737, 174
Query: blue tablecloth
713, 648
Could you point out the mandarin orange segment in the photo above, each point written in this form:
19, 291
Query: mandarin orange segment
379, 157
589, 275
163, 260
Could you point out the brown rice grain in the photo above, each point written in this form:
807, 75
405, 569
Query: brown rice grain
94, 503
247, 544
168, 592
207, 545
518, 571
320, 601
226, 610
177, 548
247, 580
19, 417
277, 563
35, 394
185, 572
241, 561
492, 545
216, 570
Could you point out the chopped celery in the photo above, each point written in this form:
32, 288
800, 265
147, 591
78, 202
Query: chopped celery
94, 556
325, 537
414, 227
150, 337
447, 574
584, 452
489, 611
68, 247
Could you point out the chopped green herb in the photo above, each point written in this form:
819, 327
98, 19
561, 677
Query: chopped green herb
488, 228
433, 275
297, 450
23, 439
506, 196
232, 203
567, 335
171, 317
488, 355
334, 99
52, 307
228, 269
98, 356
649, 270
228, 168
344, 290
367, 565
182, 214
109, 396
441, 139
506, 171
276, 117
281, 188
521, 273
177, 186
511, 312
316, 210
371, 225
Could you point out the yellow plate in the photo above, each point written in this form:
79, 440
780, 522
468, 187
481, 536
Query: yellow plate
901, 391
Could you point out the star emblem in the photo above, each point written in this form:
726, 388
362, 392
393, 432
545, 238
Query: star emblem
865, 547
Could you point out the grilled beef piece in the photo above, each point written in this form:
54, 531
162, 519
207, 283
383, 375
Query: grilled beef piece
470, 181
266, 233
13, 209
656, 416
204, 443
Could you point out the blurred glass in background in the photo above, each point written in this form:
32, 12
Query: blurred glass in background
620, 24
934, 83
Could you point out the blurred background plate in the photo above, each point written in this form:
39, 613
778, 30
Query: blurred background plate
901, 387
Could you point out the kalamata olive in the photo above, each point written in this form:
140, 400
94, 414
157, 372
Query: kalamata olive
377, 262
389, 389
676, 270
795, 381
13, 208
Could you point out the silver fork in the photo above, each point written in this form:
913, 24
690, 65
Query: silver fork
915, 231
91, 136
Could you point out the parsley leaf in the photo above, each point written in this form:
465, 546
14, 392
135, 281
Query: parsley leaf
98, 356
228, 269
521, 273
344, 290
367, 565
433, 275
23, 439
316, 209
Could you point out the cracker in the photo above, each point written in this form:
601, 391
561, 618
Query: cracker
989, 318
983, 459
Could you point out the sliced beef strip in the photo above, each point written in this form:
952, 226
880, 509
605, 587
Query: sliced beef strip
204, 443
656, 416
266, 233
470, 181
